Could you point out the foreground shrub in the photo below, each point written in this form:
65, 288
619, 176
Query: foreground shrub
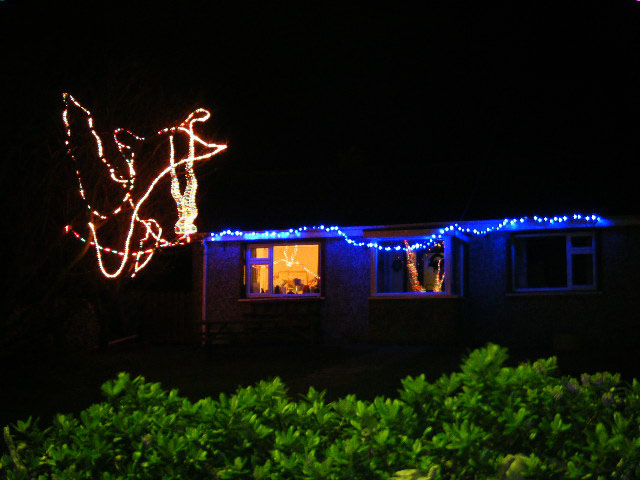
487, 422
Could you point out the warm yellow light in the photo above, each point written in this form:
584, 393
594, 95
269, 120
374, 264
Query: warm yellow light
295, 268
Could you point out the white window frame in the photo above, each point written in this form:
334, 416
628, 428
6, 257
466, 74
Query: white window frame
570, 251
448, 270
250, 261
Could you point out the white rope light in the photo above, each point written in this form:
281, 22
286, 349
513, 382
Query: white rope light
135, 260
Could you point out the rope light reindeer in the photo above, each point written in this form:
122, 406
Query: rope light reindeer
145, 232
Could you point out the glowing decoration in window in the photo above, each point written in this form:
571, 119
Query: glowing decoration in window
295, 269
283, 269
142, 236
410, 271
413, 270
438, 281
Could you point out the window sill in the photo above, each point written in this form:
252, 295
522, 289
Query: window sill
553, 292
418, 296
283, 298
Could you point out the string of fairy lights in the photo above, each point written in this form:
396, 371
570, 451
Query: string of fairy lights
428, 242
185, 201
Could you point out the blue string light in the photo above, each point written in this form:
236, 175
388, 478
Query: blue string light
514, 221
429, 242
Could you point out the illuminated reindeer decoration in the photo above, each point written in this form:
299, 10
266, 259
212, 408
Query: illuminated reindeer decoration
186, 201
147, 232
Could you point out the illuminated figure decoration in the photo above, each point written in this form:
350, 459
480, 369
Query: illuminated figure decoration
290, 261
439, 281
412, 268
145, 232
186, 202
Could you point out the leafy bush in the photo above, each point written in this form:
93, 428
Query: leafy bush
487, 422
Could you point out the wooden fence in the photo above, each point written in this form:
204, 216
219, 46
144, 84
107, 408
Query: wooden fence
168, 317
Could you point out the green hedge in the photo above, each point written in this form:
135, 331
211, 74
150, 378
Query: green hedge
487, 422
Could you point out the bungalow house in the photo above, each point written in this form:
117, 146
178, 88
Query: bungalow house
561, 282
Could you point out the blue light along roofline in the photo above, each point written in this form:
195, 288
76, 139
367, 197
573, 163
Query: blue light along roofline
429, 240
337, 231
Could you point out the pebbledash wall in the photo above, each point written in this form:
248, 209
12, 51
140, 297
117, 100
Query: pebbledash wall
488, 303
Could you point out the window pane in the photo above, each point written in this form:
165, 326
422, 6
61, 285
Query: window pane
458, 270
295, 269
581, 241
259, 252
391, 272
540, 262
259, 279
582, 265
417, 271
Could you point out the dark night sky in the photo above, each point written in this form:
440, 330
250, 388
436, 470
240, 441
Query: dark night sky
352, 115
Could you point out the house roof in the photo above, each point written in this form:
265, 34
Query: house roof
405, 193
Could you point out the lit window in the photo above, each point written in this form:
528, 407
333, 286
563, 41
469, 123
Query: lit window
283, 269
554, 262
421, 271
